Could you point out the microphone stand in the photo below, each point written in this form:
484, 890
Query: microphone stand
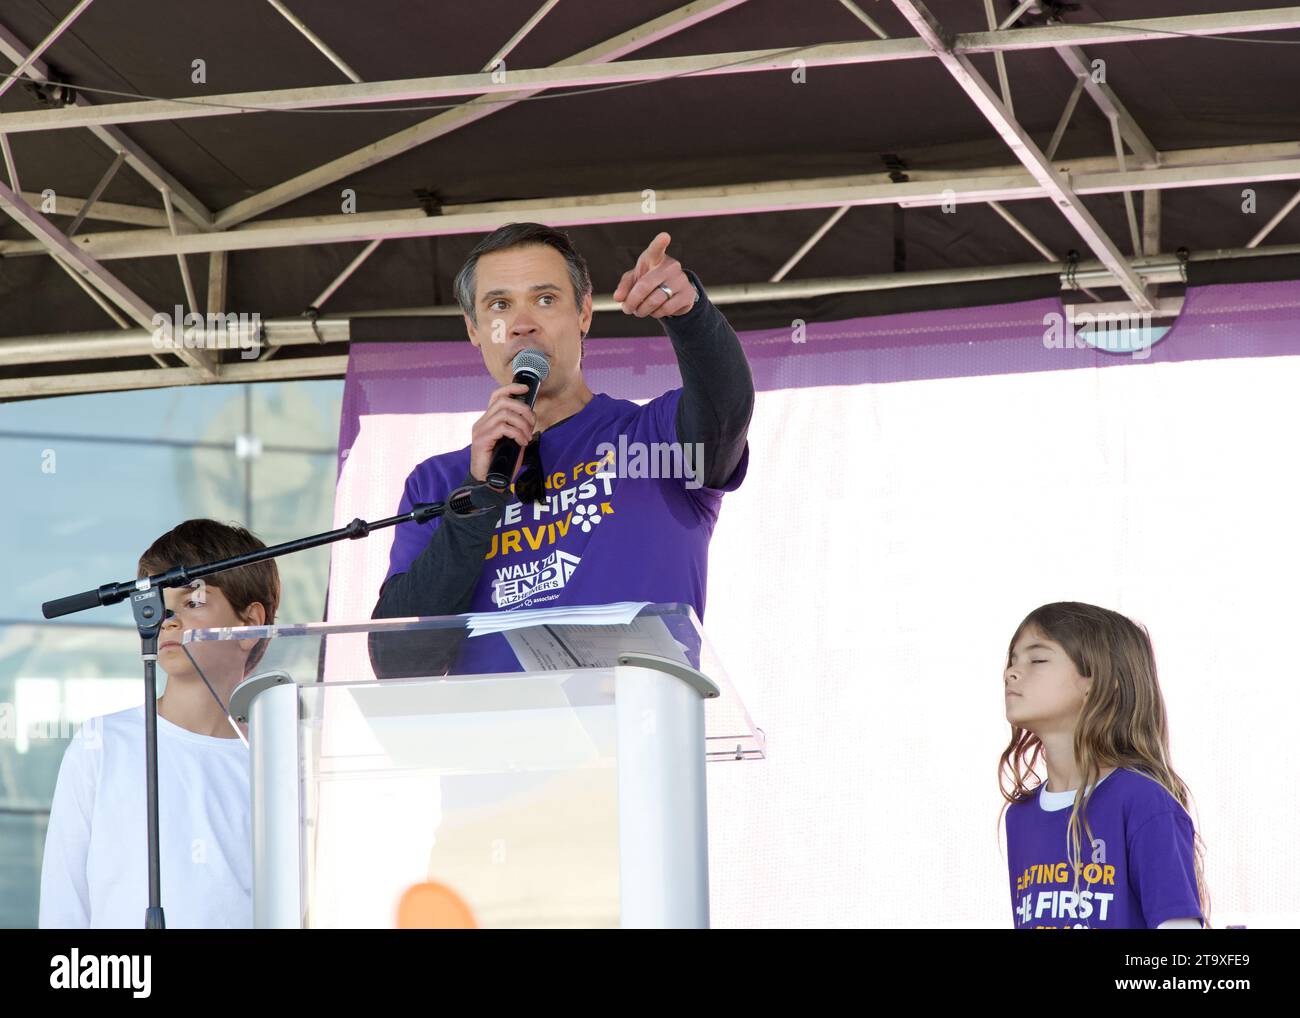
148, 608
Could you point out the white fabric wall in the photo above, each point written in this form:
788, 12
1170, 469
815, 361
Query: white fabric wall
866, 627
864, 619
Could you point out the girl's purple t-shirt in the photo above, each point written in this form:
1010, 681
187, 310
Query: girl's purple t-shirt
1138, 871
607, 533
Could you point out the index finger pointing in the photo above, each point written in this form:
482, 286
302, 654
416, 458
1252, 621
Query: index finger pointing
654, 254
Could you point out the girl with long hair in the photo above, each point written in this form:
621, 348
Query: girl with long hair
1106, 841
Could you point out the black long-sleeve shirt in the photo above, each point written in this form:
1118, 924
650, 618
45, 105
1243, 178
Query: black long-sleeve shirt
714, 410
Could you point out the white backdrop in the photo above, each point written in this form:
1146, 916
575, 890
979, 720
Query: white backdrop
865, 624
871, 644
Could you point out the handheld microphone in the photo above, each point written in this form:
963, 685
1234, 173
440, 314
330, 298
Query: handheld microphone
530, 368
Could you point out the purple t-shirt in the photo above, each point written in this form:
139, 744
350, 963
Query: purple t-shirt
1138, 871
600, 537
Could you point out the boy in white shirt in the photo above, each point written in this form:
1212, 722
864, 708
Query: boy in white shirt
95, 869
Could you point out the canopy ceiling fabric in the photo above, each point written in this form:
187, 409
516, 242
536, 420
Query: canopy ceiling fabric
908, 116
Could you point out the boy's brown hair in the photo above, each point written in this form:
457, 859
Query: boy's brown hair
197, 541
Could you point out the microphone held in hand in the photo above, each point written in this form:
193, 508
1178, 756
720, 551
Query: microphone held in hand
530, 368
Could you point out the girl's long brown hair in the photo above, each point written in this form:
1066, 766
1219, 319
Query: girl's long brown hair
1123, 722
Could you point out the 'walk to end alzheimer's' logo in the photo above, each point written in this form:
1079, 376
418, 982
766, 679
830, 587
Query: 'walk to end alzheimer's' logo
522, 583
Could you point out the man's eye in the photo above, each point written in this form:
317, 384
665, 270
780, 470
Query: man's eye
493, 305
548, 296
191, 603
1039, 661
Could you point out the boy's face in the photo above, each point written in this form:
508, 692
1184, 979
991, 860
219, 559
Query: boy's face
203, 606
1043, 690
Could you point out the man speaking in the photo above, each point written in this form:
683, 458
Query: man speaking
591, 517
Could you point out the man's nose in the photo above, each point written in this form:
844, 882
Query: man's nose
523, 325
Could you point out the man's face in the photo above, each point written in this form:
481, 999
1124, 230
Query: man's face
524, 299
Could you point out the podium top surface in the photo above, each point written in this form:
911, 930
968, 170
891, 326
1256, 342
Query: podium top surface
474, 624
482, 644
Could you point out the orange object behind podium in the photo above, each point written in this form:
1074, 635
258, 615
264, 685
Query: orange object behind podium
432, 906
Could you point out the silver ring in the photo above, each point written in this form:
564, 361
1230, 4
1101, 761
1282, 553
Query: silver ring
666, 290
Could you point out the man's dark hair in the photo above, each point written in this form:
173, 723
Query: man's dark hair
517, 235
197, 541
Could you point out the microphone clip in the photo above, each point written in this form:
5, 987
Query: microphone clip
476, 499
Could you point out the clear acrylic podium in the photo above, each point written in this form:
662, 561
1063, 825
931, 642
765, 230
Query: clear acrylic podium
568, 792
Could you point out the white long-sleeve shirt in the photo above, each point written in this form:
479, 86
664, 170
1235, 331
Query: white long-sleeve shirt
95, 870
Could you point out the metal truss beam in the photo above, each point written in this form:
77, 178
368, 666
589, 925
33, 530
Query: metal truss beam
137, 158
1189, 168
926, 189
104, 345
72, 256
1017, 138
591, 67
